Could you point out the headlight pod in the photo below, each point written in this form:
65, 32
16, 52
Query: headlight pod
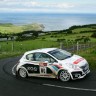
73, 66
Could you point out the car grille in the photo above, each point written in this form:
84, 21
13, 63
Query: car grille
85, 68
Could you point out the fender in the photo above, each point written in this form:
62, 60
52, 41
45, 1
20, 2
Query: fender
14, 69
61, 70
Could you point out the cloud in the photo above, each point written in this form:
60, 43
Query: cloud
32, 4
50, 5
61, 5
41, 6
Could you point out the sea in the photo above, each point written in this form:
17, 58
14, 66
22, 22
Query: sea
51, 22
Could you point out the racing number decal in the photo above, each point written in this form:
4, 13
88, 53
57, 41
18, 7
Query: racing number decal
43, 68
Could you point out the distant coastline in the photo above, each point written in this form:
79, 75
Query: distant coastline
9, 28
50, 21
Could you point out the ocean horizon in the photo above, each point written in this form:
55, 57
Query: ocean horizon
51, 22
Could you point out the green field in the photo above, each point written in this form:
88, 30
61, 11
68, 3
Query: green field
78, 30
42, 42
12, 48
69, 37
26, 45
11, 29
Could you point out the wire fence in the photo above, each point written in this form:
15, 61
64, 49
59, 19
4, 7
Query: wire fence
20, 46
76, 47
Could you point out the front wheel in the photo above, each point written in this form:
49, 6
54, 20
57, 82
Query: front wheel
64, 75
22, 73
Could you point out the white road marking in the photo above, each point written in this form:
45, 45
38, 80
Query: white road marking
71, 88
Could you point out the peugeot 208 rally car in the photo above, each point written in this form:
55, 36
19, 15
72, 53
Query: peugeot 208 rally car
52, 63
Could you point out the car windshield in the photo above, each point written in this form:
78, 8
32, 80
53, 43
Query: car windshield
60, 54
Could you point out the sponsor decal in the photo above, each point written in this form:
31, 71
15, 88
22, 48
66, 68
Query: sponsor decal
56, 67
78, 60
32, 68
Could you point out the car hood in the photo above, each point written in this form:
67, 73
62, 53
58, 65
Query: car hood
75, 59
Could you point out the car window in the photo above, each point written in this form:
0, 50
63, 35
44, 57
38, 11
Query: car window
43, 57
30, 57
60, 54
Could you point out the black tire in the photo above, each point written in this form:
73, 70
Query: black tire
64, 75
22, 73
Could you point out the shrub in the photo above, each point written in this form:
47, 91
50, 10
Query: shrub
93, 35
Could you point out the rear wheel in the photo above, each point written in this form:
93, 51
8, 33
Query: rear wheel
22, 73
64, 75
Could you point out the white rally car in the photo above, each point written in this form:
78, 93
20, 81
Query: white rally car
52, 63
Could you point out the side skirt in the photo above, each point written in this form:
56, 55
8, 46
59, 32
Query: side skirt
42, 75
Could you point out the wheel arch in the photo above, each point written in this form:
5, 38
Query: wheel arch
24, 69
60, 71
63, 70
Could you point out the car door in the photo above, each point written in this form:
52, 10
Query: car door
45, 63
32, 65
41, 58
39, 63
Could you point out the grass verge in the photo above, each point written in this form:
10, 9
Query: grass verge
9, 54
90, 56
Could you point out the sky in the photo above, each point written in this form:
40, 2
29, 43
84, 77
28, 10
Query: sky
48, 6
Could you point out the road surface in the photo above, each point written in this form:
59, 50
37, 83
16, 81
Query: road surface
12, 86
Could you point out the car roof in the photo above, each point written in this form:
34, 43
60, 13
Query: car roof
43, 50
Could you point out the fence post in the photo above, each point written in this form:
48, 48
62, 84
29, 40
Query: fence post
0, 47
12, 39
12, 46
61, 45
77, 47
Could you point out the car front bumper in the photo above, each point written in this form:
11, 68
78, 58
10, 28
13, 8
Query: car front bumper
79, 74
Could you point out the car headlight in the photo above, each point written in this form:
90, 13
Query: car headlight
73, 66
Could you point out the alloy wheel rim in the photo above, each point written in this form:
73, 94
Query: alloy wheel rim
22, 73
64, 76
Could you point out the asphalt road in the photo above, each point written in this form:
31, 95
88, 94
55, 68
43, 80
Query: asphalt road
12, 86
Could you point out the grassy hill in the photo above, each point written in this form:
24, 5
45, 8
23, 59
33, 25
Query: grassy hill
9, 28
